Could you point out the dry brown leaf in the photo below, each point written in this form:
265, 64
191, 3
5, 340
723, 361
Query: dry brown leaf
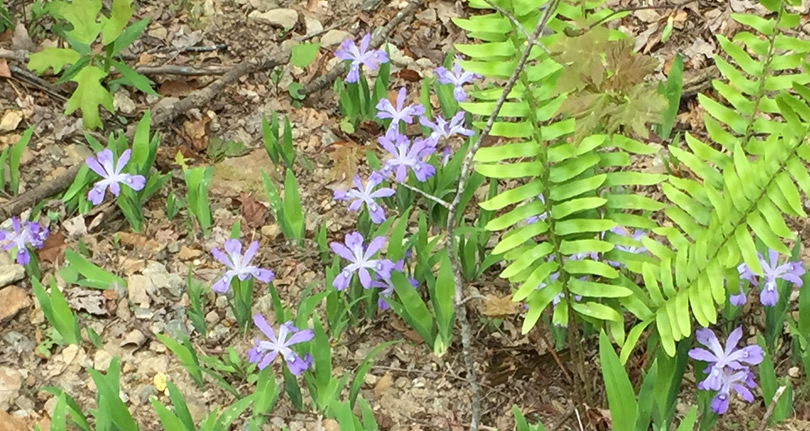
495, 306
139, 242
4, 71
53, 250
346, 156
317, 6
382, 385
197, 132
409, 75
252, 210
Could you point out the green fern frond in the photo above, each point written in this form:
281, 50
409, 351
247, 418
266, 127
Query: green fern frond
553, 258
743, 190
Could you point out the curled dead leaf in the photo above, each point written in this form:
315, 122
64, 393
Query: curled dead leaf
495, 306
252, 210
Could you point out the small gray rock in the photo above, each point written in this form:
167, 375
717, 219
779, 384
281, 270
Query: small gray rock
11, 274
334, 37
137, 287
146, 391
284, 18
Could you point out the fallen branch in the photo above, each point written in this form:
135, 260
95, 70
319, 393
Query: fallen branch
30, 198
458, 296
427, 195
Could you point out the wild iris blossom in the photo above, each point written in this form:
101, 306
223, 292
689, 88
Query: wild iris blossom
21, 235
365, 195
111, 175
457, 77
788, 271
361, 260
360, 56
239, 265
387, 286
444, 129
400, 112
264, 352
736, 380
407, 155
719, 358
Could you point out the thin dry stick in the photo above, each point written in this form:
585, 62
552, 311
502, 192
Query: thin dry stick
771, 406
439, 201
458, 296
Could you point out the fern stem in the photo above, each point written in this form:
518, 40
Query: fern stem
458, 296
766, 66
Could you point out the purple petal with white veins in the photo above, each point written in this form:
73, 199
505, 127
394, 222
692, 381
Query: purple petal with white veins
96, 194
254, 354
301, 337
115, 188
263, 326
354, 74
94, 166
459, 94
342, 280
342, 251
250, 253
297, 365
221, 257
105, 158
364, 43
222, 285
263, 275
744, 393
402, 172
365, 278
268, 359
340, 195
123, 159
768, 297
22, 256
355, 205
732, 340
706, 337
354, 240
234, 249
136, 182
702, 355
377, 214
720, 403
374, 246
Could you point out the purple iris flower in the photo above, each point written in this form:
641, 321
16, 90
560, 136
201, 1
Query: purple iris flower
442, 129
365, 195
360, 56
400, 112
737, 380
788, 271
387, 286
458, 78
361, 260
264, 352
407, 155
111, 175
719, 358
21, 235
239, 265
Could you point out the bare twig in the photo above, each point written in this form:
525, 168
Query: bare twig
171, 69
768, 413
376, 41
458, 296
564, 419
28, 77
439, 201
